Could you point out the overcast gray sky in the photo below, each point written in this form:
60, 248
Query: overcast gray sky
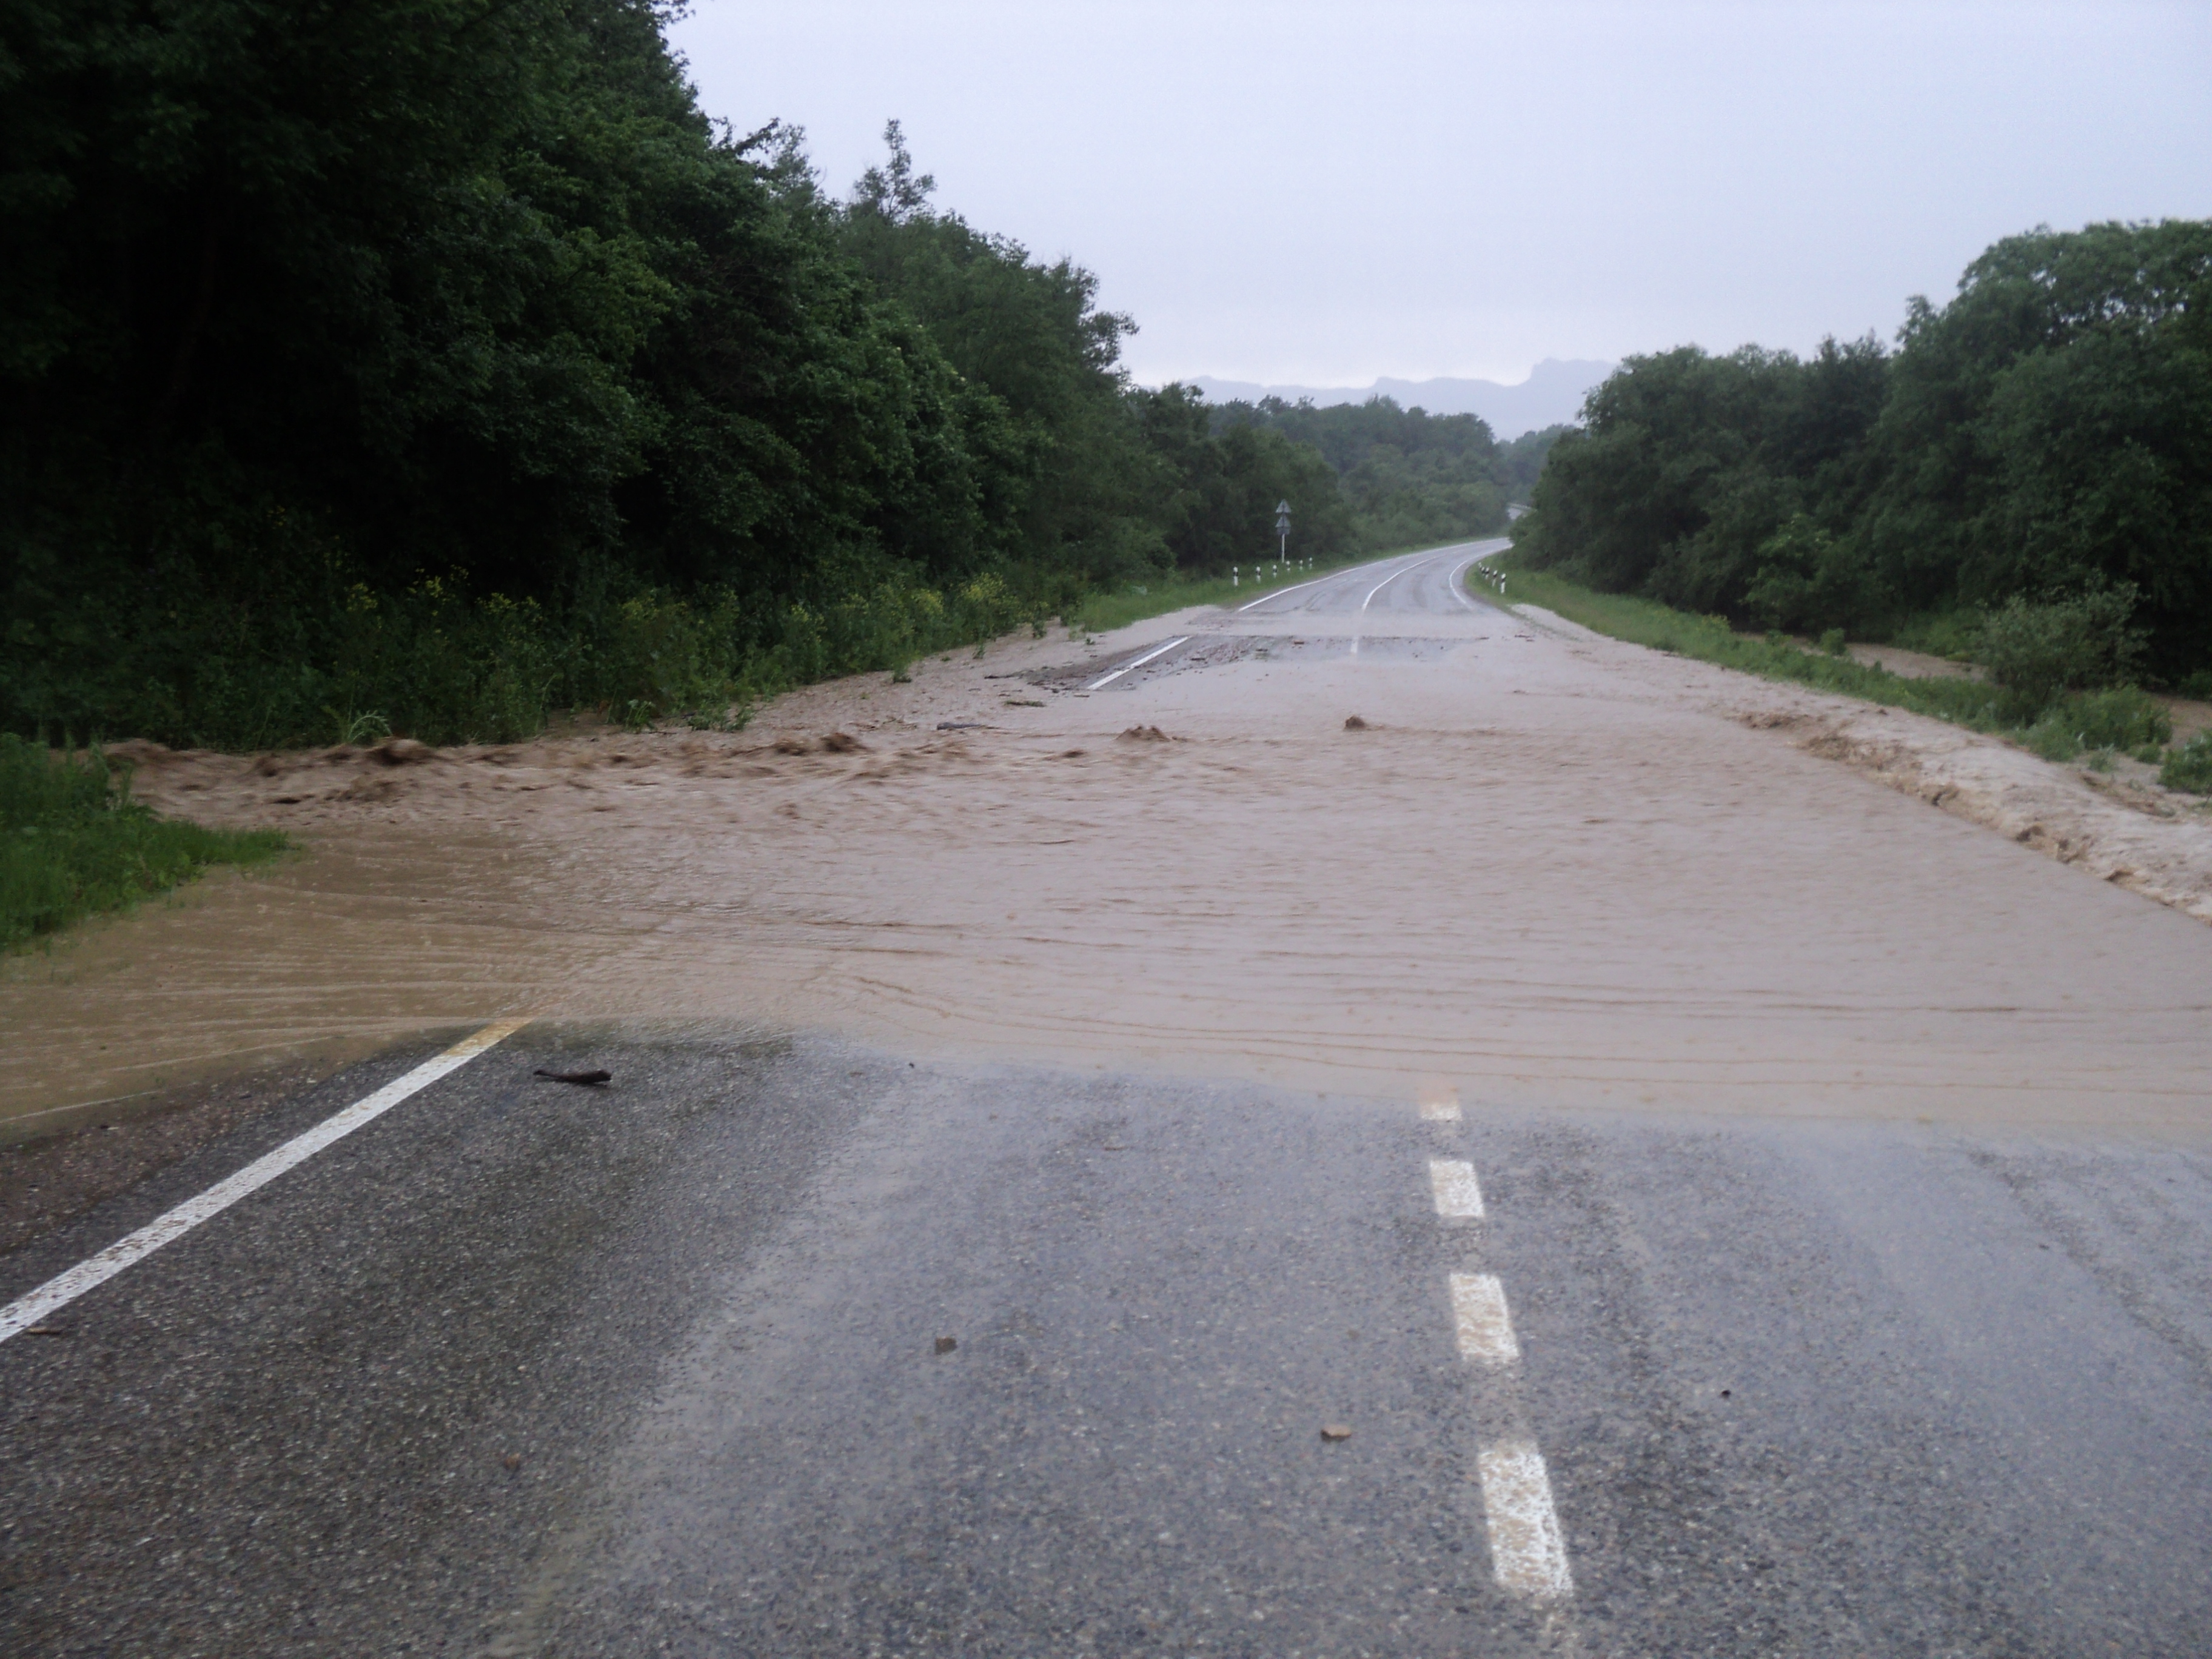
1323, 194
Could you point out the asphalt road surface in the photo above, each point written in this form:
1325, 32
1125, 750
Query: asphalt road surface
1410, 605
772, 1345
1426, 584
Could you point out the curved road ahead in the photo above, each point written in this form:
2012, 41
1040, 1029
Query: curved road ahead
1427, 583
1421, 595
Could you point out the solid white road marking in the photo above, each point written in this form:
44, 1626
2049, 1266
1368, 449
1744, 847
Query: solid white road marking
1384, 583
1452, 581
1527, 1551
65, 1288
1292, 588
1458, 1193
1140, 663
1486, 1330
1378, 588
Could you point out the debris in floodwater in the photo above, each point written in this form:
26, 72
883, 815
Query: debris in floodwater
966, 726
593, 1078
1353, 723
1336, 1431
1144, 734
947, 1344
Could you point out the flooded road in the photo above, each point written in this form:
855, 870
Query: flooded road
1543, 868
1360, 1125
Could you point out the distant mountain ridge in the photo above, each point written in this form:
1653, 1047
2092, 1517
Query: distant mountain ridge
1551, 396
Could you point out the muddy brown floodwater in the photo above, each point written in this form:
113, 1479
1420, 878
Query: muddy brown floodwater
1551, 869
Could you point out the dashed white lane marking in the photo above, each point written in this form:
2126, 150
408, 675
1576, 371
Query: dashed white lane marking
1107, 679
1458, 1194
1527, 1551
1486, 1329
64, 1288
1440, 1111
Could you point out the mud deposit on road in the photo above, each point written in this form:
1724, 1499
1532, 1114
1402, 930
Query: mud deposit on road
1549, 870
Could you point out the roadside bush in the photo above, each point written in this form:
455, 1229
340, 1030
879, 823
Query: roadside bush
2036, 650
660, 656
2122, 717
2125, 717
435, 664
1955, 634
2190, 767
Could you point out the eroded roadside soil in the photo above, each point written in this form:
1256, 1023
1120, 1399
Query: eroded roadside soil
1549, 868
2118, 826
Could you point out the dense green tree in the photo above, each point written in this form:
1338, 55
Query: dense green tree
2046, 437
1032, 336
2050, 430
1228, 484
1522, 461
318, 302
1691, 467
1118, 482
1409, 476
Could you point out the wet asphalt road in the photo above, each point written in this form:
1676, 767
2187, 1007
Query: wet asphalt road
1397, 589
1410, 605
1429, 583
1407, 607
1815, 1390
527, 1369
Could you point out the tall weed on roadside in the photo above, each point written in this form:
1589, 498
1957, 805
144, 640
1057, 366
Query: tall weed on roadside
2125, 717
2189, 768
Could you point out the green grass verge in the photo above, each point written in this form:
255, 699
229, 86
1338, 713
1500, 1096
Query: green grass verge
73, 843
1102, 613
2123, 718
